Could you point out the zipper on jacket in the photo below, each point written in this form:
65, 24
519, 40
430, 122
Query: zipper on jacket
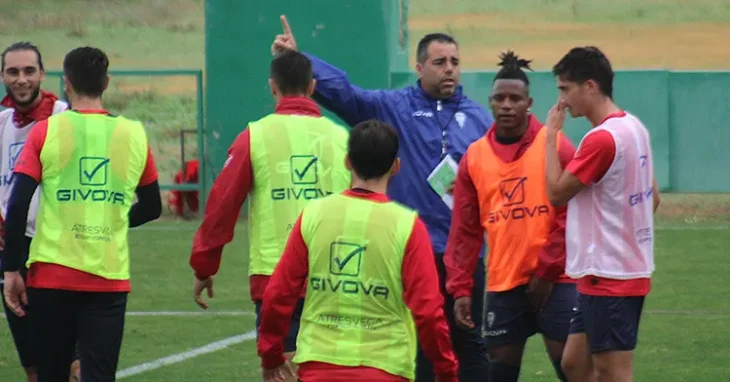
443, 131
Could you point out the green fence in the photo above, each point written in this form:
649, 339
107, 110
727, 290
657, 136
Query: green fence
170, 104
236, 86
685, 112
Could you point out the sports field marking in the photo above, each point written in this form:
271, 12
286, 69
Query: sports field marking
180, 357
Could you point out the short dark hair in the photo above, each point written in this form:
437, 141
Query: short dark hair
18, 47
86, 70
586, 63
422, 49
292, 72
512, 66
372, 149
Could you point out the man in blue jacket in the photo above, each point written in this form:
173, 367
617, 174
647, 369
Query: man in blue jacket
434, 120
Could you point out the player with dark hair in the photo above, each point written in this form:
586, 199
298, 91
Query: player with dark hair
611, 193
281, 161
372, 286
89, 165
436, 122
22, 72
500, 190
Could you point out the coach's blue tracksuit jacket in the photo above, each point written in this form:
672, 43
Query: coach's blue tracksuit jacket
421, 122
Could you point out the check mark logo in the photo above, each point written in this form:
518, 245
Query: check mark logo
342, 263
300, 174
90, 175
510, 194
16, 155
513, 190
15, 150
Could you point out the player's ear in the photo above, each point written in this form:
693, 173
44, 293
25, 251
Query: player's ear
529, 103
591, 86
106, 82
348, 165
395, 168
312, 86
273, 87
67, 88
419, 69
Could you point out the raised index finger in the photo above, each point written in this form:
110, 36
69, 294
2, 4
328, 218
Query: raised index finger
285, 25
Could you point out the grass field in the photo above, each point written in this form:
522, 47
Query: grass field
684, 331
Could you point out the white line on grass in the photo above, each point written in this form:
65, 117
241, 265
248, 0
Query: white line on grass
180, 357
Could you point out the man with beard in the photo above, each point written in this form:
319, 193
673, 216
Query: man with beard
22, 72
78, 278
436, 122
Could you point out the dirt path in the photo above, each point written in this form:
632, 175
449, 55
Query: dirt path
681, 46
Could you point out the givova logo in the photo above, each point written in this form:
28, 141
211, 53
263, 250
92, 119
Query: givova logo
93, 180
14, 150
93, 171
346, 258
345, 263
303, 169
515, 205
304, 176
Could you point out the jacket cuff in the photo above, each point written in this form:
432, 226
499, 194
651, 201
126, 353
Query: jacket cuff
461, 293
273, 361
547, 274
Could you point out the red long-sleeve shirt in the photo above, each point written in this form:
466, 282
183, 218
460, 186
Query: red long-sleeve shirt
466, 234
420, 293
227, 196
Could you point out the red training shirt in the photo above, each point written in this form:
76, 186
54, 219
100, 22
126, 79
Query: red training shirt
420, 292
467, 232
590, 164
54, 276
227, 196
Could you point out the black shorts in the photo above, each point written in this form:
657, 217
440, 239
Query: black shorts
511, 318
611, 323
290, 342
20, 327
90, 323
